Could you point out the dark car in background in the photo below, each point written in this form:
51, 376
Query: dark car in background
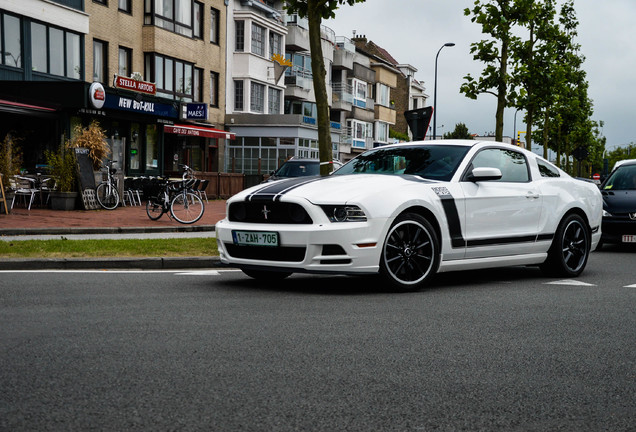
619, 204
299, 168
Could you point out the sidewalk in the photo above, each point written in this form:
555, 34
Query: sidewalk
123, 222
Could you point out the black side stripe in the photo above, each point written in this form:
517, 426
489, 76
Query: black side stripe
452, 216
275, 190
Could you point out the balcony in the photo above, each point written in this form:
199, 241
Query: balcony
343, 54
384, 114
342, 97
297, 39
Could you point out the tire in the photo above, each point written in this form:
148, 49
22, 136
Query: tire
107, 199
570, 248
267, 276
154, 209
186, 209
411, 253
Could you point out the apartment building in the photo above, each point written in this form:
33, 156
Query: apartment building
271, 108
151, 72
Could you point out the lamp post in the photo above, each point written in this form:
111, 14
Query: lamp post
447, 44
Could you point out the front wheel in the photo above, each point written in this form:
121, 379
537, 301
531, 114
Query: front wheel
107, 196
570, 248
411, 252
154, 209
186, 208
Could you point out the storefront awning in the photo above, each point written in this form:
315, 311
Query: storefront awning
198, 131
23, 108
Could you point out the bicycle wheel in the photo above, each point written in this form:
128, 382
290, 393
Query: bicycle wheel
154, 209
186, 208
107, 196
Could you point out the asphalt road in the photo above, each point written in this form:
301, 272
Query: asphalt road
503, 350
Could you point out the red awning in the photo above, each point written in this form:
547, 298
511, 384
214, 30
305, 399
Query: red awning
18, 105
198, 131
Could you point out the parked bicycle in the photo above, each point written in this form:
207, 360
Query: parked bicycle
177, 198
107, 195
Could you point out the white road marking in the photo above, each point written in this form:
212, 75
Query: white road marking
182, 272
630, 286
570, 282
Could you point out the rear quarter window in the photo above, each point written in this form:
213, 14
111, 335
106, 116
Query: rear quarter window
547, 170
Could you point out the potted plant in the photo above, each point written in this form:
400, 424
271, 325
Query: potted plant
64, 173
10, 163
92, 138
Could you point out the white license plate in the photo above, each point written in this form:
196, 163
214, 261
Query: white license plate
255, 238
629, 239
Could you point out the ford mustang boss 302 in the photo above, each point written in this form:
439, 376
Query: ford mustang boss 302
408, 211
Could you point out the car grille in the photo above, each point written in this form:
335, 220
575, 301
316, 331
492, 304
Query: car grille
271, 212
618, 225
291, 254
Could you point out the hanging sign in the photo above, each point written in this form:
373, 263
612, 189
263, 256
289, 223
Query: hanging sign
135, 85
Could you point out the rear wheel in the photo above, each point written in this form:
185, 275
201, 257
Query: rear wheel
265, 275
410, 255
107, 196
186, 208
570, 248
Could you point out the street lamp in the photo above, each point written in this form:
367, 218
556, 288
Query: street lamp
447, 44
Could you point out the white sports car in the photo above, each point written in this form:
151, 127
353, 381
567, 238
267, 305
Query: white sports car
408, 211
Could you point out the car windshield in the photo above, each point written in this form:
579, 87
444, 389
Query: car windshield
435, 162
298, 169
624, 178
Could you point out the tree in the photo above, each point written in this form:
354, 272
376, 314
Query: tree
460, 132
315, 11
497, 19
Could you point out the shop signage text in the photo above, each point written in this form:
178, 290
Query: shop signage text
195, 111
134, 85
134, 105
140, 106
97, 95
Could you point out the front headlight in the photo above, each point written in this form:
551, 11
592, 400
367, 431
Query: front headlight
344, 213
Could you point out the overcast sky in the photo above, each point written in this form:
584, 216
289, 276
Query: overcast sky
414, 30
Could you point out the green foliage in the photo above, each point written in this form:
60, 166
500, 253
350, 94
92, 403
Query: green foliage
63, 168
10, 158
620, 153
398, 135
460, 132
92, 138
326, 9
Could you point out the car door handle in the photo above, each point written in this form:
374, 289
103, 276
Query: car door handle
532, 195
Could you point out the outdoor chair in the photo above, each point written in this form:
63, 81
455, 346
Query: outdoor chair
24, 187
201, 189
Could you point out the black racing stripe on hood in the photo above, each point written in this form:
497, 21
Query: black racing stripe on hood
275, 190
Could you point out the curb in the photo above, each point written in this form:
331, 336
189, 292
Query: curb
104, 230
144, 263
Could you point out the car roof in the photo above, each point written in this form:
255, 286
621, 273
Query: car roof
624, 162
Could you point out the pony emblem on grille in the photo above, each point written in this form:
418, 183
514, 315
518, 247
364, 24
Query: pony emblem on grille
265, 211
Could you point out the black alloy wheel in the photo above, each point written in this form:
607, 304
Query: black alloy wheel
570, 248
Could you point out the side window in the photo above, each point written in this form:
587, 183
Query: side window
512, 164
547, 170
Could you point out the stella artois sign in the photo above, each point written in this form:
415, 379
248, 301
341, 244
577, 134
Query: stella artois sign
135, 85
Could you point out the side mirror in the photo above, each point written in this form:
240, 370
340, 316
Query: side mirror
484, 174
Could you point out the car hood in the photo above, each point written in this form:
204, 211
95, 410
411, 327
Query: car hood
338, 189
620, 201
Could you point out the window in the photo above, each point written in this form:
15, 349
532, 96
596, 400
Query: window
11, 41
273, 100
103, 2
547, 170
39, 51
382, 96
214, 25
512, 164
359, 93
257, 97
275, 44
55, 51
197, 29
56, 48
239, 28
198, 85
125, 62
238, 96
178, 16
258, 40
382, 134
359, 132
100, 64
214, 89
174, 78
124, 6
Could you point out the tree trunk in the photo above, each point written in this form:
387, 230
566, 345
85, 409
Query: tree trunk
501, 92
320, 87
546, 121
530, 88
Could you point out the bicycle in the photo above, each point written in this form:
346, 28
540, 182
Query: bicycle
177, 199
106, 192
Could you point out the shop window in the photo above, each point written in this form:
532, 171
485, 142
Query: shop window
152, 148
11, 40
239, 34
100, 63
214, 89
214, 25
125, 62
258, 40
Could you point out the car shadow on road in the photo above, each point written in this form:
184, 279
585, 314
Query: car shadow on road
373, 284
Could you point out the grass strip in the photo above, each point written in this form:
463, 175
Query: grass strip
64, 248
